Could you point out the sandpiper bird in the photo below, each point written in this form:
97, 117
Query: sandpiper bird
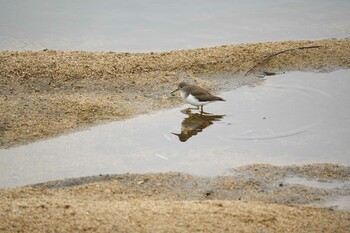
196, 95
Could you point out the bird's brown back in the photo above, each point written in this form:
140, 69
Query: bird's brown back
202, 94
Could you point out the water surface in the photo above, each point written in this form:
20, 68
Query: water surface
294, 118
159, 25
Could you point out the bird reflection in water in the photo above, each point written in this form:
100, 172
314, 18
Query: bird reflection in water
195, 123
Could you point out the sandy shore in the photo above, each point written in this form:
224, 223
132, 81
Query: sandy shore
256, 199
47, 93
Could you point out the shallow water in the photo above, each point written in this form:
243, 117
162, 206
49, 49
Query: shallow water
159, 25
317, 183
293, 118
339, 203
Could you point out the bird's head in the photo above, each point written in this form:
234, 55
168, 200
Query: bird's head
179, 87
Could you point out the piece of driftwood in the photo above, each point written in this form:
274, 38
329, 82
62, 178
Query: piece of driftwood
280, 52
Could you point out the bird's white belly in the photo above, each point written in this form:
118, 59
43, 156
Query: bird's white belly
192, 100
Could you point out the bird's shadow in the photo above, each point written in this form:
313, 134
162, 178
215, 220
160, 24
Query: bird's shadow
195, 123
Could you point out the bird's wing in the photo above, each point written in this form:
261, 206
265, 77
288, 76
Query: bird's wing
208, 97
204, 95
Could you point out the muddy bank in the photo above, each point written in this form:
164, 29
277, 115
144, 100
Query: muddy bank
47, 93
256, 198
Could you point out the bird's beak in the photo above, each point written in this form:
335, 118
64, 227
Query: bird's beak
174, 91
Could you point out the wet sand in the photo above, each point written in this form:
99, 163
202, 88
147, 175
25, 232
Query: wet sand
48, 93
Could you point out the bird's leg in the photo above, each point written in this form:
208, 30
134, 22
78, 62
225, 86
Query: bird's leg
202, 112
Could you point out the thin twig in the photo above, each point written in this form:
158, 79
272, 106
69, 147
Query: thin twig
275, 54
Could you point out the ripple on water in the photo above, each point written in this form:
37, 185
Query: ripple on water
290, 107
